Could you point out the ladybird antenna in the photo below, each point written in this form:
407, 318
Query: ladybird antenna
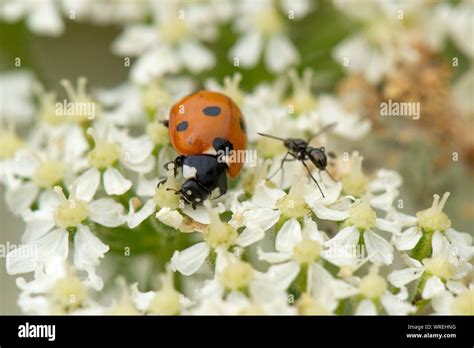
322, 130
270, 136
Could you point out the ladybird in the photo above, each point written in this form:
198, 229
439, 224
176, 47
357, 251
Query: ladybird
206, 122
204, 128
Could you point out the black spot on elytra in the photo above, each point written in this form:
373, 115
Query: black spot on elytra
212, 111
243, 126
182, 126
222, 144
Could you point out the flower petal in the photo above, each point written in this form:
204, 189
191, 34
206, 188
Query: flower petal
280, 53
342, 248
408, 239
366, 307
461, 241
261, 219
189, 260
402, 277
250, 236
441, 245
27, 257
170, 217
38, 223
247, 49
196, 57
273, 257
325, 213
135, 219
433, 288
288, 236
87, 184
107, 212
394, 306
88, 249
283, 275
20, 198
115, 183
266, 197
141, 300
378, 249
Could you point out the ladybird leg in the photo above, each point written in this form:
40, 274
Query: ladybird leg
177, 162
312, 177
167, 164
165, 123
161, 182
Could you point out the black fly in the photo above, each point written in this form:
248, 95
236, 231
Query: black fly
299, 149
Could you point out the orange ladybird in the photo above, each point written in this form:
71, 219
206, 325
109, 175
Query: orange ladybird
205, 123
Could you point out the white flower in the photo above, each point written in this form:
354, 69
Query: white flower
357, 56
383, 189
238, 289
164, 201
348, 124
133, 153
441, 267
217, 234
262, 29
324, 292
37, 171
255, 220
312, 111
434, 219
17, 88
131, 105
456, 300
42, 17
55, 289
386, 39
48, 231
106, 12
166, 301
301, 251
171, 43
361, 223
373, 287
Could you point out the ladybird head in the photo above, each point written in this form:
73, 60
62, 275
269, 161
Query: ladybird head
193, 193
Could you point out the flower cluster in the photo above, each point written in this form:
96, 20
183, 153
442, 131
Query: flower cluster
101, 237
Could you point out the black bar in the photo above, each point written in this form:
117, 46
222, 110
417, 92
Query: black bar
209, 330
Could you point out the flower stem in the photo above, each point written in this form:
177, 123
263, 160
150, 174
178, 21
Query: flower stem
423, 248
419, 289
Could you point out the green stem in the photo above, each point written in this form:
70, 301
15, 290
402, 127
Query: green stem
417, 299
423, 248
300, 284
